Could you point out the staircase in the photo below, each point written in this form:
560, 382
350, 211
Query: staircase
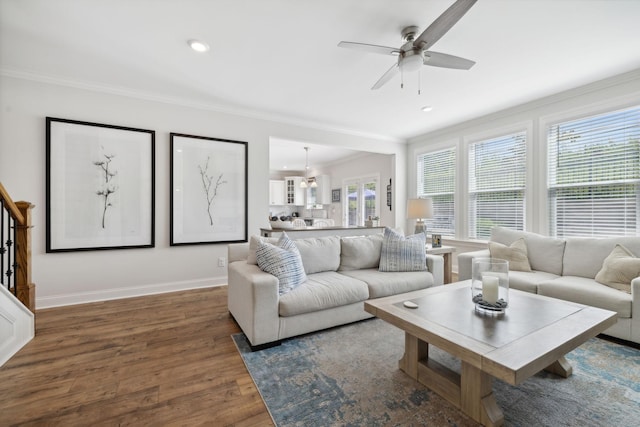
17, 292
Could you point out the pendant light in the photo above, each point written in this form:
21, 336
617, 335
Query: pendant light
303, 183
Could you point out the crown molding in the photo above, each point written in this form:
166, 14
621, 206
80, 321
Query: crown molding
190, 103
566, 95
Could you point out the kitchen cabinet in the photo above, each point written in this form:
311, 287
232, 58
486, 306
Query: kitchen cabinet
320, 195
294, 194
276, 192
323, 192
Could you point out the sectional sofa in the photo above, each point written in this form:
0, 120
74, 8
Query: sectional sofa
573, 269
341, 273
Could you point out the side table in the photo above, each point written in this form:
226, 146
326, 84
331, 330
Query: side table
446, 252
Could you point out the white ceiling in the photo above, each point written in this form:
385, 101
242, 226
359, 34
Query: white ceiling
278, 59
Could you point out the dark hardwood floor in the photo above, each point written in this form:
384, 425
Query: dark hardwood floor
164, 359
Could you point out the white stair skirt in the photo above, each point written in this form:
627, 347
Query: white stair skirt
17, 325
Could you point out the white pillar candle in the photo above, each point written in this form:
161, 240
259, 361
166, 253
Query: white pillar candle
490, 289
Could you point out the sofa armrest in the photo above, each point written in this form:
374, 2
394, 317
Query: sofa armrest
465, 262
237, 252
253, 301
635, 310
435, 264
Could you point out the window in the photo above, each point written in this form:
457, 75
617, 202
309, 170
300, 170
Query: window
437, 180
361, 201
497, 184
594, 175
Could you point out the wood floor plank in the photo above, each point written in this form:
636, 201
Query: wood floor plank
163, 359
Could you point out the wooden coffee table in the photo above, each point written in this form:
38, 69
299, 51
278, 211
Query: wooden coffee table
534, 334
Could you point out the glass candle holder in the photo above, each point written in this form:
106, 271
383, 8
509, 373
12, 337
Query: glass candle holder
490, 285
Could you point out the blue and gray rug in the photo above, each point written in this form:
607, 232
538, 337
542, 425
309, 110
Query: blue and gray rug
348, 376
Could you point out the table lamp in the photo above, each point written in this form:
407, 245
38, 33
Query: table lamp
420, 209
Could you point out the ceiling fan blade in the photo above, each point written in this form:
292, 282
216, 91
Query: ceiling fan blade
443, 23
437, 59
372, 48
391, 72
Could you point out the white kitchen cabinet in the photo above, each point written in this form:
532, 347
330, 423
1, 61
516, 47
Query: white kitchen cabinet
294, 194
320, 195
276, 192
323, 192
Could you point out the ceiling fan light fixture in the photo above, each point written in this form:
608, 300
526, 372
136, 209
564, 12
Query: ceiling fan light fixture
198, 46
427, 108
411, 61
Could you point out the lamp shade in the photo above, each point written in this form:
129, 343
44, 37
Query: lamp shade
419, 208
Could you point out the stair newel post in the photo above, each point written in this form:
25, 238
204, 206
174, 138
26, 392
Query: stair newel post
26, 289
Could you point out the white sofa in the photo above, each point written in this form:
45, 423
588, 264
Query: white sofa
342, 273
566, 269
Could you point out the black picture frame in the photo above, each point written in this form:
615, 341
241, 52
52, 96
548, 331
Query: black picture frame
389, 194
335, 195
436, 241
209, 181
100, 186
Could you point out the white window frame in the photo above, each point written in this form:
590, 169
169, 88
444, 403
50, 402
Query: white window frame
578, 115
450, 146
531, 159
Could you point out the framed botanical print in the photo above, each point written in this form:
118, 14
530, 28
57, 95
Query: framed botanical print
208, 190
100, 186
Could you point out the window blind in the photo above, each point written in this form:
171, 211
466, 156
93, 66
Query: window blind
437, 180
594, 175
497, 184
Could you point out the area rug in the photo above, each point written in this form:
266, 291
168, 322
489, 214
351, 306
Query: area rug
349, 376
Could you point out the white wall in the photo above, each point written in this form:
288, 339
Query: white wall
66, 278
606, 95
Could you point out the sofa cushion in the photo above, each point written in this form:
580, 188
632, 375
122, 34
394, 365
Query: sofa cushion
400, 253
360, 252
528, 280
516, 254
253, 245
584, 256
282, 261
545, 253
382, 284
619, 269
322, 291
588, 292
319, 253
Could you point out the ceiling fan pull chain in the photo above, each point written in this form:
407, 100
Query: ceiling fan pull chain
401, 78
419, 82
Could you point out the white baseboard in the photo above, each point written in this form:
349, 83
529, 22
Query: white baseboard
118, 293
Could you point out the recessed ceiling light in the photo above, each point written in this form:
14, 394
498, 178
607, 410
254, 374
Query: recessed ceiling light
198, 45
427, 108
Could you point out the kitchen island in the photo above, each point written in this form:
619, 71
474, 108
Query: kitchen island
296, 233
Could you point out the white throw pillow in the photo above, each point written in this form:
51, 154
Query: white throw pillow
619, 269
283, 261
516, 254
400, 253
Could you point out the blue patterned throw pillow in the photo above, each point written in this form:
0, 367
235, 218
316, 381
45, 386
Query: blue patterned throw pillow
283, 261
400, 253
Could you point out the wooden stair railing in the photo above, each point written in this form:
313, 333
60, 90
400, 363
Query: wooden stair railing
15, 249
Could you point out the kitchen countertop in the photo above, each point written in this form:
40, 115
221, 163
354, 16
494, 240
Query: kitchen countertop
324, 231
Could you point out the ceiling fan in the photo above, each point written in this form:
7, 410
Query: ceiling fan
413, 53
